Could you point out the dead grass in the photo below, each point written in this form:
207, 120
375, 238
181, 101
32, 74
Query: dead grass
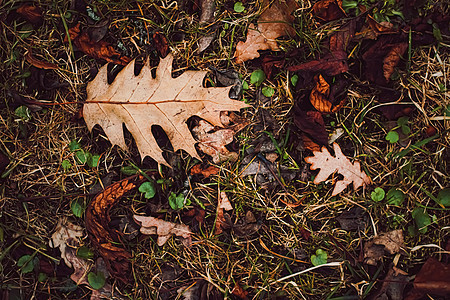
38, 190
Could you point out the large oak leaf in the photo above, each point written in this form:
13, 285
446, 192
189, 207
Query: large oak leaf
142, 101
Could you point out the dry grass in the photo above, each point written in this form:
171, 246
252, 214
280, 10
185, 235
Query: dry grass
37, 190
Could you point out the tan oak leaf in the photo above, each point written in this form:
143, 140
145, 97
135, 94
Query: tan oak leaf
328, 164
143, 101
164, 229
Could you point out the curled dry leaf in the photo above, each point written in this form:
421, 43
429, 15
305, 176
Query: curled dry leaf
222, 204
319, 95
340, 163
142, 101
164, 230
65, 231
274, 22
98, 50
213, 142
391, 242
331, 64
97, 223
39, 63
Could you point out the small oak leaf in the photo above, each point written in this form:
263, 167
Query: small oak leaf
328, 164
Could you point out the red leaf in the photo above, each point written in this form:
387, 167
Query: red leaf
331, 65
311, 122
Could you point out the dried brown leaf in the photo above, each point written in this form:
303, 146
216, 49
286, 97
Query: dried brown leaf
64, 232
239, 292
161, 44
274, 22
433, 279
311, 122
198, 169
142, 101
222, 204
98, 50
39, 63
319, 95
31, 13
164, 230
328, 10
331, 64
390, 242
341, 164
97, 223
213, 142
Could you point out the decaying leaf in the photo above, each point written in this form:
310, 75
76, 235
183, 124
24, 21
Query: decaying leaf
102, 237
142, 101
98, 50
222, 204
390, 242
31, 13
213, 142
164, 229
328, 10
340, 163
433, 279
161, 44
65, 231
80, 266
381, 59
311, 122
239, 292
394, 283
274, 22
319, 95
39, 63
206, 18
331, 64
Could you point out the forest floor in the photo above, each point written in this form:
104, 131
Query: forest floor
243, 215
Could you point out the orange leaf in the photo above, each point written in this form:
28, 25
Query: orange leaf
319, 95
206, 172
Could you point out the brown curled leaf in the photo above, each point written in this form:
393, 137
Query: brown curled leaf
40, 64
319, 95
97, 220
